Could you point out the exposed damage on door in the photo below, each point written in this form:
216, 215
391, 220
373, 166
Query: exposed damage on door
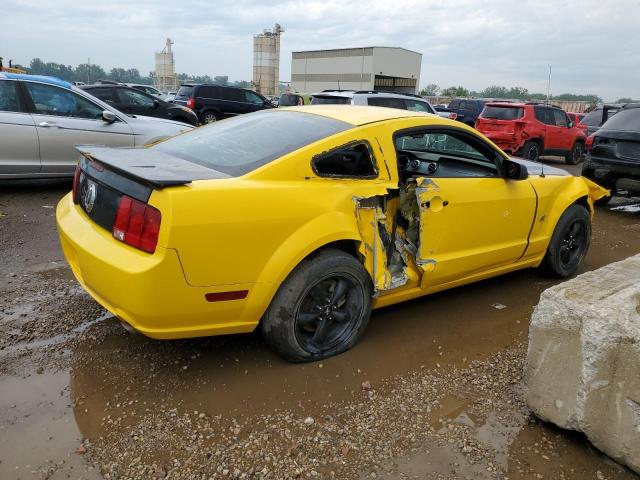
391, 230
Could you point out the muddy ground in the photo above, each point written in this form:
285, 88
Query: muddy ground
432, 391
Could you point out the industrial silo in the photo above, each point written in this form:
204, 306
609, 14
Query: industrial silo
165, 80
266, 61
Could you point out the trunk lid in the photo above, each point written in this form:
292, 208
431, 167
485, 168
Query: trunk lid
105, 175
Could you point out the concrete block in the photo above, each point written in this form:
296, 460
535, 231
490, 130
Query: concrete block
583, 361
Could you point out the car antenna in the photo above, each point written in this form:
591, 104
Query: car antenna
542, 168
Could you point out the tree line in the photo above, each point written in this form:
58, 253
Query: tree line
89, 73
496, 91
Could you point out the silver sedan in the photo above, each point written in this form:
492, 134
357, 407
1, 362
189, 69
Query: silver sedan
42, 118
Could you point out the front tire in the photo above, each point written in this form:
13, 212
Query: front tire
575, 155
569, 243
322, 308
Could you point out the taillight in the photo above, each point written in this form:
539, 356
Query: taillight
589, 142
453, 115
137, 224
76, 181
191, 103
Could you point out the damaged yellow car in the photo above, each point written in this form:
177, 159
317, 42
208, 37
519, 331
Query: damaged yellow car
300, 221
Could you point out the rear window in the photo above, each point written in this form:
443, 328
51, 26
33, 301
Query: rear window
241, 144
503, 113
184, 91
290, 100
329, 100
626, 120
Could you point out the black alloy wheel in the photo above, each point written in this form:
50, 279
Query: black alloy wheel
324, 316
569, 243
573, 243
321, 309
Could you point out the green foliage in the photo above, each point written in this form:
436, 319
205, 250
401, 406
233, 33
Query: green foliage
90, 73
515, 93
430, 90
455, 92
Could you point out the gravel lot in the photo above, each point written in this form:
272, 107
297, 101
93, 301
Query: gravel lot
433, 391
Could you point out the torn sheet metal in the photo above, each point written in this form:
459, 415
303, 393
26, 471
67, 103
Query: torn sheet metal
384, 246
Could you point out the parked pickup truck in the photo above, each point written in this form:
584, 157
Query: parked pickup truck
529, 130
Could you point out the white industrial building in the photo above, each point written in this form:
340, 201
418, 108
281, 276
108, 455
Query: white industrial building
368, 68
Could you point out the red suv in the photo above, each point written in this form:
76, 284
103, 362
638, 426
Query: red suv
529, 130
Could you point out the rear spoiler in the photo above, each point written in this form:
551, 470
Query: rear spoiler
149, 166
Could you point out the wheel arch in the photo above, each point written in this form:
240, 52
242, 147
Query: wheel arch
332, 230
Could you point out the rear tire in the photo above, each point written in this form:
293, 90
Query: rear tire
530, 151
322, 308
209, 117
575, 155
569, 243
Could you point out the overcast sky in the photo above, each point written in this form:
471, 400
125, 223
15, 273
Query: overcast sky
592, 45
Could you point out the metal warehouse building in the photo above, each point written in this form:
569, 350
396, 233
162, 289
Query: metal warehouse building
367, 68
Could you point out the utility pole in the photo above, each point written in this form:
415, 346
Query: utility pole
549, 85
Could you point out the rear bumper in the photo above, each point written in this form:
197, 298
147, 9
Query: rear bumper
622, 175
149, 291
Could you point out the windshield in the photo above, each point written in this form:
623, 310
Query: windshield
503, 113
627, 120
241, 144
329, 100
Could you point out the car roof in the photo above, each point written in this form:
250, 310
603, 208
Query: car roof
508, 104
36, 78
358, 114
371, 93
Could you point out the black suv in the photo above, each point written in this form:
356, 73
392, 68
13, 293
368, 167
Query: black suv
613, 158
215, 102
135, 102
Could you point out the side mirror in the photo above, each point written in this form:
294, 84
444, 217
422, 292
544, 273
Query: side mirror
108, 116
514, 170
570, 124
156, 103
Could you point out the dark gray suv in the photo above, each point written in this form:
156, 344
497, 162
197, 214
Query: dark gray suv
215, 102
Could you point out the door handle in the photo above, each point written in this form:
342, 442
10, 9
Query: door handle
49, 124
427, 204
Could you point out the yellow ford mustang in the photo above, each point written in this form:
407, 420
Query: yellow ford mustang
302, 220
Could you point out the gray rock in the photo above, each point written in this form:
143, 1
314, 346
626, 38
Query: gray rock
583, 358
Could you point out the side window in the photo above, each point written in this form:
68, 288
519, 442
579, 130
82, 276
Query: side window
560, 118
51, 100
386, 102
209, 92
9, 97
351, 161
545, 115
136, 98
452, 155
253, 98
232, 94
105, 94
417, 106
